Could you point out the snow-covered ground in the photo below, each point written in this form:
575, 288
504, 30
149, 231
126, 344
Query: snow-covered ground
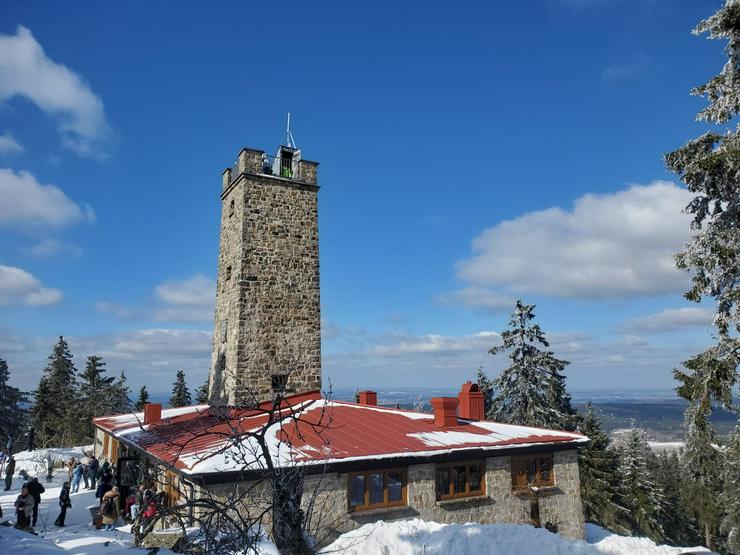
417, 537
408, 537
78, 536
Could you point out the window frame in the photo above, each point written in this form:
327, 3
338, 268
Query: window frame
519, 464
367, 506
481, 464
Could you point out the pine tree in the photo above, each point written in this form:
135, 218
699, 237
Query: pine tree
532, 389
598, 470
485, 386
94, 395
180, 393
678, 527
729, 498
709, 166
640, 494
54, 414
143, 398
12, 412
201, 394
120, 402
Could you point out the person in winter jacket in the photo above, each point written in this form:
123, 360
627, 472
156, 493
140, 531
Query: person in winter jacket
104, 487
9, 471
85, 470
76, 477
35, 489
109, 508
24, 506
64, 504
92, 471
31, 444
102, 469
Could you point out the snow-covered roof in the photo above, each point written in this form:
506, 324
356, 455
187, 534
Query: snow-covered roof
310, 430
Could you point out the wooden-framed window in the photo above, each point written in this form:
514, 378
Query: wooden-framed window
532, 470
376, 489
462, 479
106, 439
113, 455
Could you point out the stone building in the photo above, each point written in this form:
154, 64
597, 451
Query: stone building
268, 318
362, 461
365, 462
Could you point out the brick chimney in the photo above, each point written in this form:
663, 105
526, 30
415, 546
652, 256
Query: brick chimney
152, 413
368, 398
471, 402
445, 411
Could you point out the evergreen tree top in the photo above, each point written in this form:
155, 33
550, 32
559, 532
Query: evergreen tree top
180, 392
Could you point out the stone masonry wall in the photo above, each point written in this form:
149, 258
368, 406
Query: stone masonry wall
268, 319
560, 505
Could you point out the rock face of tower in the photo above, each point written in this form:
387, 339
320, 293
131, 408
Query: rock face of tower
267, 335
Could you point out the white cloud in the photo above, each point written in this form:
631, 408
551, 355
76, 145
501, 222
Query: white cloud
148, 356
48, 248
26, 70
612, 245
117, 309
188, 300
28, 205
19, 287
670, 319
436, 360
8, 144
480, 299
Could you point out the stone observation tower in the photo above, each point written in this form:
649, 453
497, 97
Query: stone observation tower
267, 335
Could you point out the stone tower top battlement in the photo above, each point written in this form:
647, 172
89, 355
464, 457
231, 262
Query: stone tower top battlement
286, 164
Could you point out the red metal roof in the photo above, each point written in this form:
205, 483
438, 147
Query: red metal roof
314, 430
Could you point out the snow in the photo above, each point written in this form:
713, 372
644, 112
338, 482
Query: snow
666, 445
79, 536
406, 537
416, 536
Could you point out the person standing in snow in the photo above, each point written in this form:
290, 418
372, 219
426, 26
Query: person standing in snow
35, 489
76, 477
9, 471
109, 508
104, 487
85, 470
92, 471
70, 467
10, 444
24, 506
64, 504
31, 444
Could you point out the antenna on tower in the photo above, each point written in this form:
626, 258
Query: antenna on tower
289, 140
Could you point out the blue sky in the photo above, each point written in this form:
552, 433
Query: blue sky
469, 154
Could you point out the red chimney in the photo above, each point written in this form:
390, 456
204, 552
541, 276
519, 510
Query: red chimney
368, 398
152, 413
471, 402
445, 411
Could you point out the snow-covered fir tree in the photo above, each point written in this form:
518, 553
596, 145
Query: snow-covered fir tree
485, 386
710, 167
180, 392
54, 411
12, 411
640, 494
729, 498
531, 390
597, 464
143, 398
678, 527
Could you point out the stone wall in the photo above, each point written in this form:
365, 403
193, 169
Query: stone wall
268, 319
560, 505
